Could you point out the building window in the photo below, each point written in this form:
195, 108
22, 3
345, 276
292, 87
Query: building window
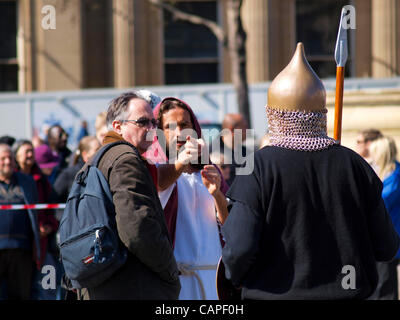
317, 24
8, 46
190, 51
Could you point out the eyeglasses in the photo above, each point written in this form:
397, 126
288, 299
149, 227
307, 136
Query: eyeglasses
143, 122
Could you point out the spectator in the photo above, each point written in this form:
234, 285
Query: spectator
37, 141
48, 162
86, 149
150, 271
364, 139
48, 224
383, 153
25, 158
57, 140
7, 140
19, 230
230, 142
101, 126
44, 131
83, 131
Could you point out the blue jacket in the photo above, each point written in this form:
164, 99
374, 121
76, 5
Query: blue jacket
391, 197
30, 195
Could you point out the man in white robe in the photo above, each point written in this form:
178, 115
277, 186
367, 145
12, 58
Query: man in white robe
193, 200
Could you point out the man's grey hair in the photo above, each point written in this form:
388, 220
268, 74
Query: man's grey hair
119, 107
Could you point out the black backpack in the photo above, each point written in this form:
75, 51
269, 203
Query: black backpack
90, 248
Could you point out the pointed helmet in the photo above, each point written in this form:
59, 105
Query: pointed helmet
297, 87
296, 107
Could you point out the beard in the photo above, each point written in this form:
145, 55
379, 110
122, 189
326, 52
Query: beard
173, 148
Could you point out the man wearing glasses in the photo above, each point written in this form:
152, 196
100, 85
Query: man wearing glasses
150, 271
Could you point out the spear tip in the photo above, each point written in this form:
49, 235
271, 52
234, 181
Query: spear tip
341, 50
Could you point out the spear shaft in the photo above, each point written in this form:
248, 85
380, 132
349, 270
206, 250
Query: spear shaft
340, 58
337, 128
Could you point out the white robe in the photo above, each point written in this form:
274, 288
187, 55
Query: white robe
197, 241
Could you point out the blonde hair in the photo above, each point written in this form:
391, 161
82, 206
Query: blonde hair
101, 120
84, 145
383, 153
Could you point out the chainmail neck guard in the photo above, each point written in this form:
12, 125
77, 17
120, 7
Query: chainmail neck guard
299, 130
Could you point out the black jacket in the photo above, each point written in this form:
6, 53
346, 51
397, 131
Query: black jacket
65, 179
301, 221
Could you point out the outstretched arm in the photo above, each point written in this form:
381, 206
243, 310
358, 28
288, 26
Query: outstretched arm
169, 173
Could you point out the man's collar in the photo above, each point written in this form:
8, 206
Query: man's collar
112, 136
13, 179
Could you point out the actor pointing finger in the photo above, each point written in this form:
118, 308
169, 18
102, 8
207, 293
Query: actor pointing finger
193, 199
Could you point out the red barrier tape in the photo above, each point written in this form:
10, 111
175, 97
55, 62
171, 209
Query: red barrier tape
38, 206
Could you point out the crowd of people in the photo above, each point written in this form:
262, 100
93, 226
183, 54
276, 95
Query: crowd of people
284, 231
36, 171
48, 168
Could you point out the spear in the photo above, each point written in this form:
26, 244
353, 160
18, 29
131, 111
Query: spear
340, 58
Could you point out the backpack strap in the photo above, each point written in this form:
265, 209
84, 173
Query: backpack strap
104, 149
80, 177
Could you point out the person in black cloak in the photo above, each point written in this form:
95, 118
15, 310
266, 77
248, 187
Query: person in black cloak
309, 222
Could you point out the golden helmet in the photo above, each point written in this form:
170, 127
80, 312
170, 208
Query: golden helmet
297, 87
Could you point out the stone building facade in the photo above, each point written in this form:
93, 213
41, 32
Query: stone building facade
127, 43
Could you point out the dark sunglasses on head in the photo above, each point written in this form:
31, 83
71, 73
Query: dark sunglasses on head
143, 122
